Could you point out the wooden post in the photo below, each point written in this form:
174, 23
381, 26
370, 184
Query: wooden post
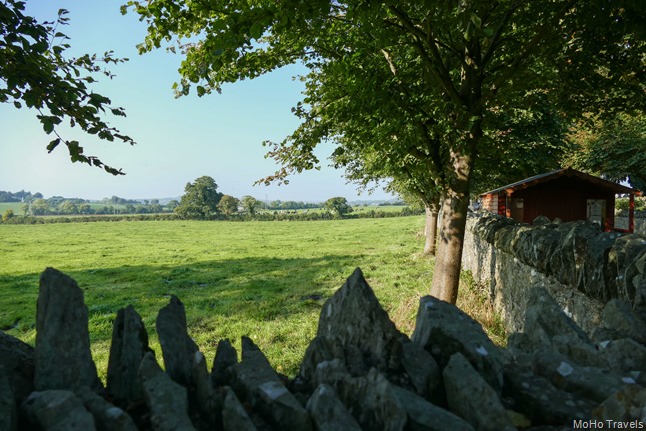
631, 214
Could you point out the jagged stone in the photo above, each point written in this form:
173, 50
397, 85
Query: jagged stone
472, 398
280, 407
322, 349
620, 273
579, 351
18, 361
541, 220
541, 401
372, 401
57, 410
424, 373
544, 319
257, 383
106, 416
167, 400
62, 355
588, 382
618, 315
234, 416
129, 345
8, 409
328, 412
330, 372
443, 329
627, 404
225, 357
178, 349
208, 401
624, 355
424, 416
354, 316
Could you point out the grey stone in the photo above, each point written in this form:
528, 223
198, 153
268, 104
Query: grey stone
234, 416
167, 400
443, 329
424, 373
627, 404
62, 355
330, 372
620, 271
541, 401
129, 345
207, 401
579, 351
8, 410
18, 361
225, 357
541, 220
178, 349
624, 355
328, 412
280, 407
354, 316
470, 397
372, 401
588, 382
57, 410
618, 315
544, 319
322, 349
257, 383
424, 416
106, 416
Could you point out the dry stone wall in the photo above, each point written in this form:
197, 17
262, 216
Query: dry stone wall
358, 373
579, 265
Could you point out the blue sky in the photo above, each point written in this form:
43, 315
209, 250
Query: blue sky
178, 140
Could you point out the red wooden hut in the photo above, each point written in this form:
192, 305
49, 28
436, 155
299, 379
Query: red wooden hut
565, 193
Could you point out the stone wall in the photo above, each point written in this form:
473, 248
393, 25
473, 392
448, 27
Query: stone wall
580, 266
621, 222
358, 373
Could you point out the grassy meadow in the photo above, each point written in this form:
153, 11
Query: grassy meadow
267, 280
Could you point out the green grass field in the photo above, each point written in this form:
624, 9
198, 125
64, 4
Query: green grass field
267, 280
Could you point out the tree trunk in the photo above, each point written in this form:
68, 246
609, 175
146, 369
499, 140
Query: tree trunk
448, 261
430, 230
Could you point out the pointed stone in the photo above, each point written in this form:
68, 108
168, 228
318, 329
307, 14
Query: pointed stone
62, 357
167, 400
206, 397
470, 397
234, 416
129, 345
225, 357
178, 349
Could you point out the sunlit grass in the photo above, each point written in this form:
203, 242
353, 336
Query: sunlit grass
267, 280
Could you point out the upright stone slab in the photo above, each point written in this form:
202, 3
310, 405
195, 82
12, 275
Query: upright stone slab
167, 400
328, 412
470, 397
178, 348
63, 359
129, 345
443, 330
225, 357
8, 408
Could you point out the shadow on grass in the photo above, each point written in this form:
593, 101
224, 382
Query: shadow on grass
249, 289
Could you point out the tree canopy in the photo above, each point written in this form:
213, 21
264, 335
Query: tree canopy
35, 72
423, 84
200, 199
338, 206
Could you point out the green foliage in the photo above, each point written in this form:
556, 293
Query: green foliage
8, 214
36, 72
250, 204
39, 207
200, 199
338, 206
614, 148
228, 205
